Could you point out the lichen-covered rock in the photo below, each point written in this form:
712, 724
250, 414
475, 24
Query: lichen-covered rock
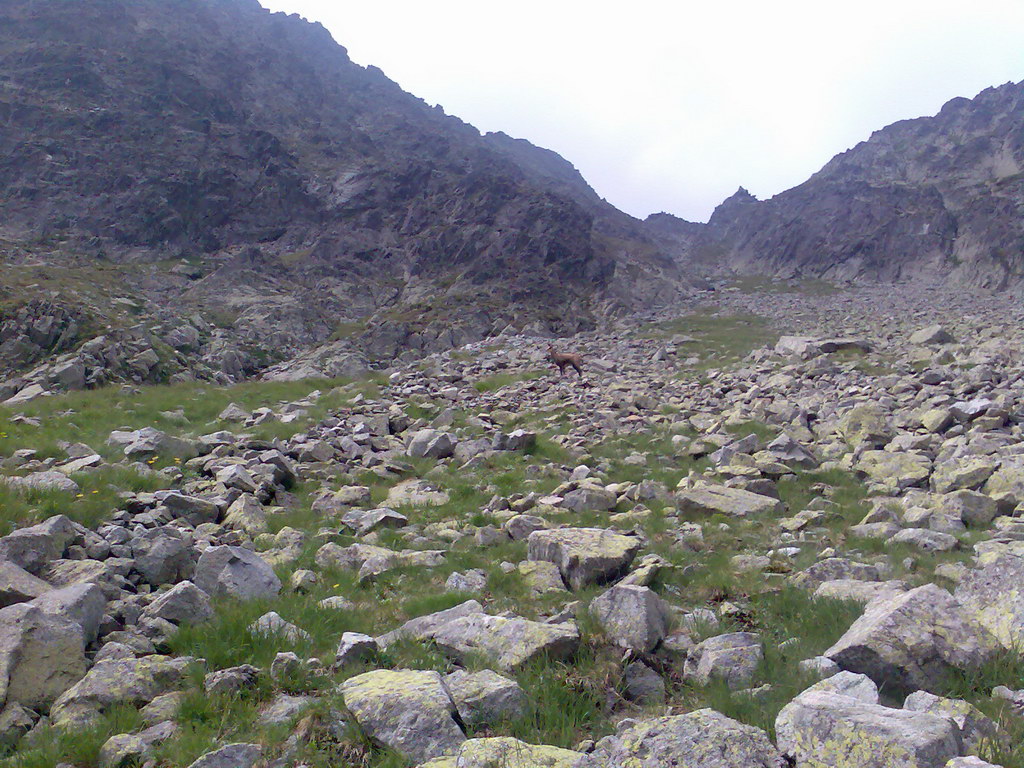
733, 502
41, 655
974, 727
230, 756
962, 474
118, 681
416, 493
994, 596
589, 498
632, 617
823, 729
507, 642
731, 657
541, 576
485, 697
703, 738
913, 640
865, 425
584, 555
505, 752
424, 627
184, 602
247, 514
898, 471
235, 572
127, 749
833, 568
409, 711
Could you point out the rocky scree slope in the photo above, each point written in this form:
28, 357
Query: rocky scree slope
808, 558
213, 158
936, 196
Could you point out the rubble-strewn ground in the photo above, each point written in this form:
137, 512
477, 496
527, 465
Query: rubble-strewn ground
783, 486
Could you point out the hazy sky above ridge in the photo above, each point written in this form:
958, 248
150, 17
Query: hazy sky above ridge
670, 106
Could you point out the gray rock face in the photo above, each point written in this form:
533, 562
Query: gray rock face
18, 585
230, 756
733, 502
508, 643
731, 657
913, 640
149, 441
47, 480
589, 499
584, 555
431, 444
82, 603
409, 711
974, 727
235, 572
992, 596
34, 547
632, 617
485, 698
184, 602
702, 738
41, 655
118, 681
822, 729
162, 556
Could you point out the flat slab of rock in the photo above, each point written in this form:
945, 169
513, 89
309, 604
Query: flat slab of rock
424, 627
230, 756
584, 555
912, 641
703, 738
505, 752
822, 729
732, 502
508, 643
409, 711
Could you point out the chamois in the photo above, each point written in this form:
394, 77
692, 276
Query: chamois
564, 359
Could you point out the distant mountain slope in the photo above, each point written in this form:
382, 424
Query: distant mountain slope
942, 194
134, 131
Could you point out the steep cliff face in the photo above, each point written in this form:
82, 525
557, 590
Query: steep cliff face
941, 194
304, 191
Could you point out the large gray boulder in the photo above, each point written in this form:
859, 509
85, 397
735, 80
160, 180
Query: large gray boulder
184, 602
505, 752
134, 682
34, 547
431, 444
506, 642
584, 555
703, 739
82, 603
912, 641
409, 711
632, 617
993, 596
972, 724
230, 756
41, 655
485, 697
18, 585
825, 729
711, 499
235, 572
732, 657
162, 555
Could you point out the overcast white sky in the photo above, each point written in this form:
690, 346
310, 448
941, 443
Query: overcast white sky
670, 106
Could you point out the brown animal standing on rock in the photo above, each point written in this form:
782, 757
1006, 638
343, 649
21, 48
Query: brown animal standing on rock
564, 359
